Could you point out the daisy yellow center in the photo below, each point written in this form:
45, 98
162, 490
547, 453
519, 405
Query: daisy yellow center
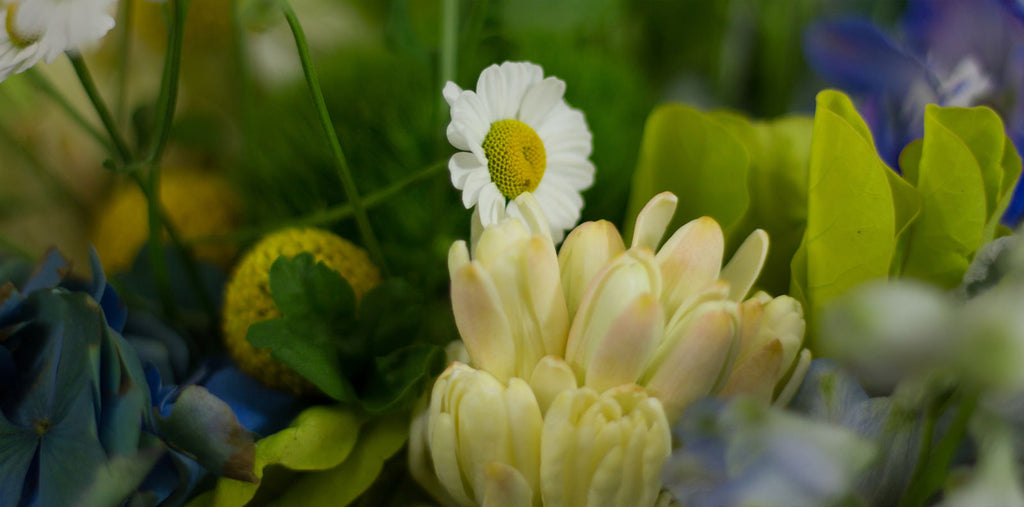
515, 157
18, 38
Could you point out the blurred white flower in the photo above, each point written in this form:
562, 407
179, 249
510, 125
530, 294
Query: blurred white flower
43, 29
518, 135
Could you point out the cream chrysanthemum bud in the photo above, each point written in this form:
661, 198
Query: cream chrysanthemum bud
585, 252
507, 300
603, 449
484, 436
770, 360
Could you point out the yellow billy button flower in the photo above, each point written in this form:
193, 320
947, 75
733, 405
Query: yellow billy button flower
198, 203
518, 135
247, 297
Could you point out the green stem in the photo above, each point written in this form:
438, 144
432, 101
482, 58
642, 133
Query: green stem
449, 38
165, 106
349, 184
324, 217
44, 85
932, 465
125, 52
121, 149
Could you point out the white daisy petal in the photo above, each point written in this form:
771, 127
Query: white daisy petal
462, 165
472, 116
474, 184
577, 174
493, 88
491, 204
540, 100
451, 93
48, 28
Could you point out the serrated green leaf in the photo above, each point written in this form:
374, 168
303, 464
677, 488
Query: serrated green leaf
308, 350
306, 289
851, 216
695, 157
959, 171
399, 377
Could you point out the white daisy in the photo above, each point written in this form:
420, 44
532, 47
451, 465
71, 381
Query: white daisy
519, 135
37, 30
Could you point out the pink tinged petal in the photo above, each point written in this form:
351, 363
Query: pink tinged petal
551, 376
443, 451
629, 276
545, 298
784, 319
505, 487
751, 311
560, 456
532, 214
756, 375
745, 265
803, 363
540, 100
717, 291
587, 250
499, 241
458, 257
482, 426
652, 221
689, 364
621, 355
482, 322
451, 93
690, 260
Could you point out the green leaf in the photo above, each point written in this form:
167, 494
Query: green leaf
306, 289
398, 378
959, 177
308, 350
320, 438
851, 216
694, 156
344, 483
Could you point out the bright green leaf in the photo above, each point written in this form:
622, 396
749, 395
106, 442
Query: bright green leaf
398, 377
306, 289
851, 218
320, 438
307, 349
694, 156
959, 169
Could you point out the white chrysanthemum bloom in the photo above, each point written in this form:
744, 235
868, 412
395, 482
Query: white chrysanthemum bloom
518, 135
43, 29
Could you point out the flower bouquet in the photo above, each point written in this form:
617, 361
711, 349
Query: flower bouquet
312, 252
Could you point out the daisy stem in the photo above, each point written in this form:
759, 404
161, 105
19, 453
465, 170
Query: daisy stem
43, 84
121, 149
345, 174
449, 39
124, 47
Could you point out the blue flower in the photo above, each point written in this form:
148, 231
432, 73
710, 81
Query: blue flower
952, 53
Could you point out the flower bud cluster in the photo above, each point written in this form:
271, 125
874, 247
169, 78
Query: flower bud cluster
580, 360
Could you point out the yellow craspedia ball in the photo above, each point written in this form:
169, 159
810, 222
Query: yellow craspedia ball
197, 203
247, 298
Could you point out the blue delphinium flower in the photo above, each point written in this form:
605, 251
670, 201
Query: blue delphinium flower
949, 52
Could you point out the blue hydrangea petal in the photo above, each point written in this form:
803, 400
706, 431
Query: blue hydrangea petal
949, 31
259, 409
16, 452
857, 57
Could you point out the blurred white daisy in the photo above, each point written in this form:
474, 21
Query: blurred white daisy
37, 30
518, 135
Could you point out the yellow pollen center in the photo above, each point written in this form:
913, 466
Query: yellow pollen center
19, 39
515, 157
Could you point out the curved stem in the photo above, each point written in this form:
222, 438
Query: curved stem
344, 173
121, 148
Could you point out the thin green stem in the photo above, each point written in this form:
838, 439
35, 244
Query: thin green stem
44, 85
344, 173
120, 147
165, 106
324, 217
932, 465
449, 38
124, 56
